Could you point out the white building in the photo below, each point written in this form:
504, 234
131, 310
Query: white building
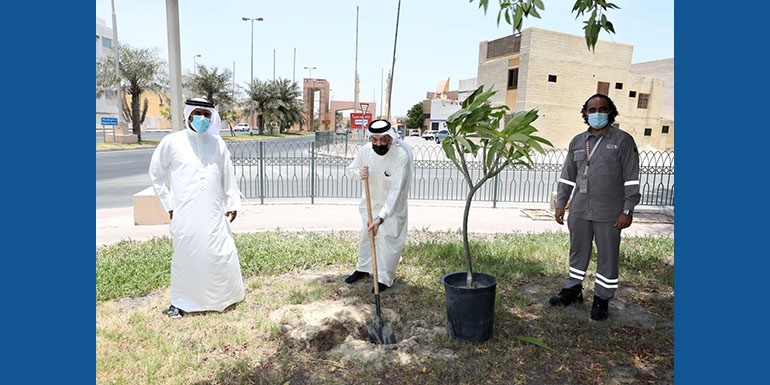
107, 104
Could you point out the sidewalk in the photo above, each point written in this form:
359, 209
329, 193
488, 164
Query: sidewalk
113, 225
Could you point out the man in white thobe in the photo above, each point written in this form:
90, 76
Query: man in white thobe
192, 175
388, 163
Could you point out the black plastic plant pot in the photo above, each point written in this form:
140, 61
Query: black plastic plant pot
470, 310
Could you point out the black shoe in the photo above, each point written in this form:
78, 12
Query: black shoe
382, 287
568, 296
600, 309
357, 275
175, 312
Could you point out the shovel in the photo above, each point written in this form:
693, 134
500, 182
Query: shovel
379, 332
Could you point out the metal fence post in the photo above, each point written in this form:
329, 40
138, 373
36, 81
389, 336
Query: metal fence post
312, 173
262, 172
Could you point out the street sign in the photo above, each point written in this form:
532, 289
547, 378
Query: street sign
109, 121
358, 120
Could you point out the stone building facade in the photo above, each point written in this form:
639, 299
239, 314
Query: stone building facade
555, 73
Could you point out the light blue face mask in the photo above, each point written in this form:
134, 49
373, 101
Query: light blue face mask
597, 120
201, 123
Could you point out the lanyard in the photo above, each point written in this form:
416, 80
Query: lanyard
589, 153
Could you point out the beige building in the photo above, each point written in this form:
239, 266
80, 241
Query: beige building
555, 72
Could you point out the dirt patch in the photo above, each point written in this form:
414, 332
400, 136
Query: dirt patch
333, 324
339, 327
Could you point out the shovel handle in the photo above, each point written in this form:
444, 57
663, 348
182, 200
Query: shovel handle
371, 237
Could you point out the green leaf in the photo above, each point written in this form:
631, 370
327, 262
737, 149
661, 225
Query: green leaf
517, 19
449, 150
608, 27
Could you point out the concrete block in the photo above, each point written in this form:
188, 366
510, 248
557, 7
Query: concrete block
148, 210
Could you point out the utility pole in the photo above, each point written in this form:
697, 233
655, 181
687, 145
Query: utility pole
174, 65
117, 62
355, 78
393, 66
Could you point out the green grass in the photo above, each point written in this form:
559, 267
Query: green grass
532, 342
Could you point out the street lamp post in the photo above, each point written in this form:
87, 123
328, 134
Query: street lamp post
194, 66
310, 71
251, 74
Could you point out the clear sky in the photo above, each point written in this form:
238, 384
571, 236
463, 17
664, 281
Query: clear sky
436, 38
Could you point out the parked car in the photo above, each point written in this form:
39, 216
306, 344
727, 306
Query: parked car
341, 131
242, 127
428, 134
414, 132
441, 135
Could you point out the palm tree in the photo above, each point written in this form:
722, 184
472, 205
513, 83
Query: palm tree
276, 101
212, 85
289, 109
258, 99
141, 70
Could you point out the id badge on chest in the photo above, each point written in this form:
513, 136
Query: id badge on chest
582, 184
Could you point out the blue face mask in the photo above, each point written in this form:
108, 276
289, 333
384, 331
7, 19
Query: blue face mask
200, 123
597, 120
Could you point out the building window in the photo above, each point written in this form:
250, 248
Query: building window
513, 78
618, 86
552, 78
631, 94
603, 88
664, 130
648, 132
434, 126
106, 42
109, 94
643, 98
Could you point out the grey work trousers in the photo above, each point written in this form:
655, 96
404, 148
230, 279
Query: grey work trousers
582, 234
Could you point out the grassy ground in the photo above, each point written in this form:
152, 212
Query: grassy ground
294, 283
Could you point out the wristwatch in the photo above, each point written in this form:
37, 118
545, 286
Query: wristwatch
627, 212
381, 219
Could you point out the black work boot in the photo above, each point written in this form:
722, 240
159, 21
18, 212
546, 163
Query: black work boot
357, 275
568, 296
600, 309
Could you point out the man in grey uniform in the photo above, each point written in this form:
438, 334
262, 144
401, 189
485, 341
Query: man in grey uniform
602, 167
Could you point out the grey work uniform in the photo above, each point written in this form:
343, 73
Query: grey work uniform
603, 170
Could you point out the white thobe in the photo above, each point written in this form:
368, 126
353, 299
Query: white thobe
192, 175
389, 177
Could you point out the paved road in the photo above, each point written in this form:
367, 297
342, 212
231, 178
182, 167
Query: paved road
120, 175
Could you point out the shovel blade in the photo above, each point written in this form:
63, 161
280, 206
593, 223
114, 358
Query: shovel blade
381, 333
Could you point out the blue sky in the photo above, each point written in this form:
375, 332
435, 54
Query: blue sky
436, 38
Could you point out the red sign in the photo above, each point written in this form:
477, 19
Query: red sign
359, 121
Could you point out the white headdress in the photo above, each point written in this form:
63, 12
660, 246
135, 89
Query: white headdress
381, 127
192, 104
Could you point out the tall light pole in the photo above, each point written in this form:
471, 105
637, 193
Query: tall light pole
194, 66
310, 71
251, 74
